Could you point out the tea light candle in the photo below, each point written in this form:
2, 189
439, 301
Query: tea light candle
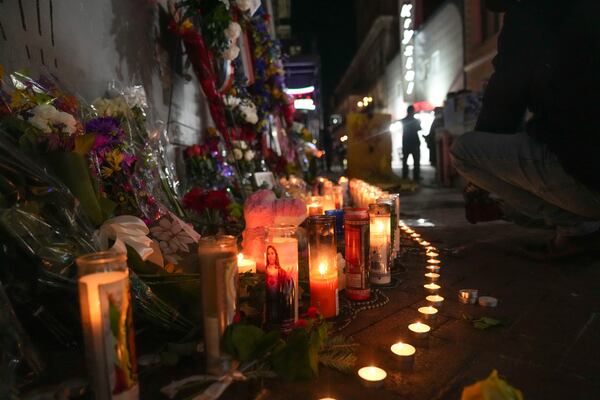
432, 287
433, 268
435, 299
433, 261
428, 312
372, 376
245, 264
431, 254
404, 351
424, 243
432, 276
419, 330
415, 235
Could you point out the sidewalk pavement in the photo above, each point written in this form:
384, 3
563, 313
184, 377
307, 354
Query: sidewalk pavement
549, 345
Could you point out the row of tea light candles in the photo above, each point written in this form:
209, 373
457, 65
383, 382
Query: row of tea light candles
373, 376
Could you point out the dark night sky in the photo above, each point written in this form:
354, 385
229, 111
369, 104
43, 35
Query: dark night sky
331, 25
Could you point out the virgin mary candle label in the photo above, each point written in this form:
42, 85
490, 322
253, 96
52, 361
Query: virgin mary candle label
281, 277
106, 315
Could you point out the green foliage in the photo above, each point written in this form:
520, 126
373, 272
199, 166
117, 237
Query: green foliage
483, 323
339, 353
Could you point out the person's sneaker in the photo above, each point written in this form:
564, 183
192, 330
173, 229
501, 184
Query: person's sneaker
479, 206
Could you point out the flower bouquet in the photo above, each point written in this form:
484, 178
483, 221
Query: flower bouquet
96, 160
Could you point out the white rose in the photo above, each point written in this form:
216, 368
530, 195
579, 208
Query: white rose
67, 120
231, 53
249, 155
233, 31
237, 154
243, 145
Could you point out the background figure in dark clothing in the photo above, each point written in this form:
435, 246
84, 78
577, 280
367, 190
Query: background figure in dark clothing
438, 122
548, 63
411, 144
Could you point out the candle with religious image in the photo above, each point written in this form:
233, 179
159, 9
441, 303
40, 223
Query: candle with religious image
106, 316
281, 277
323, 265
356, 239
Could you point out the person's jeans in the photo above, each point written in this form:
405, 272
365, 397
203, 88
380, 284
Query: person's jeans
528, 177
415, 151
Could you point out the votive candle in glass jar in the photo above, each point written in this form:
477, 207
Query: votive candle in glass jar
281, 277
393, 200
323, 274
356, 239
106, 316
338, 197
379, 253
219, 272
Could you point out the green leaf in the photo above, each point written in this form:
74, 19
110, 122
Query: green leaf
242, 340
84, 143
72, 170
296, 359
267, 343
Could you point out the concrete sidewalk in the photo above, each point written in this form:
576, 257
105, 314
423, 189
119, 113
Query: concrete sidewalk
549, 345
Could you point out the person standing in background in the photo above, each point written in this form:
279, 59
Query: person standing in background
411, 144
438, 122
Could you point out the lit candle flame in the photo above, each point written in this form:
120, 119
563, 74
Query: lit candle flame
322, 268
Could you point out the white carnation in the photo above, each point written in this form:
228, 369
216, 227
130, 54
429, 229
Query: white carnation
231, 101
237, 154
243, 5
249, 155
233, 31
231, 53
40, 123
243, 145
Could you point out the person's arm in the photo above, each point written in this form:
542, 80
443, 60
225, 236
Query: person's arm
506, 97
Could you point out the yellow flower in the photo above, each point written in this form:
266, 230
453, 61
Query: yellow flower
492, 388
187, 24
113, 159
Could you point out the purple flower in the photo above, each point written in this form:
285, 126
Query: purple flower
107, 131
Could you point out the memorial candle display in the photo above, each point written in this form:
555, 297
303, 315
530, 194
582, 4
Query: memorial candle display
219, 272
404, 351
356, 238
379, 253
281, 277
106, 316
323, 274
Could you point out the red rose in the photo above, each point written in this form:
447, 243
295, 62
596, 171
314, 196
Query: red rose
312, 312
217, 199
195, 199
301, 323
